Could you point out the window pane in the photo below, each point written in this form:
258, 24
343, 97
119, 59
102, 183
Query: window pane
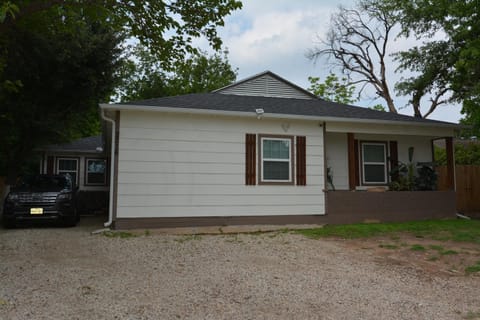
96, 171
67, 164
72, 175
273, 170
373, 153
374, 173
276, 149
96, 166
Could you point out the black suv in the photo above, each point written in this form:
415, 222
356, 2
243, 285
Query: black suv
41, 198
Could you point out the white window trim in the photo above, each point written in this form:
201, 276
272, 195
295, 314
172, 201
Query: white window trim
289, 160
86, 172
385, 163
68, 171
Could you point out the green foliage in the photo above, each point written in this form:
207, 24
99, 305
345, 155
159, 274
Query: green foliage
378, 107
8, 9
59, 59
333, 89
412, 177
466, 153
58, 71
167, 28
474, 269
417, 247
452, 61
143, 77
454, 230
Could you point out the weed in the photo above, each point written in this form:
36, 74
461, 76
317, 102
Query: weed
472, 315
433, 258
189, 237
388, 246
147, 232
417, 247
474, 268
119, 234
448, 252
435, 247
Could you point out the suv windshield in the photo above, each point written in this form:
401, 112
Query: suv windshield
43, 182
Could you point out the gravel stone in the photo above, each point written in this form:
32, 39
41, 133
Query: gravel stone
50, 273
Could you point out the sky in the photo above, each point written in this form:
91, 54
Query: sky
276, 34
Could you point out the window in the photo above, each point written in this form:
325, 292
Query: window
95, 173
374, 162
276, 162
68, 166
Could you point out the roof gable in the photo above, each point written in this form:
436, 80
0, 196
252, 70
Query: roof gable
266, 84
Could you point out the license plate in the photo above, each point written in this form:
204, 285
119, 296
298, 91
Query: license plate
36, 210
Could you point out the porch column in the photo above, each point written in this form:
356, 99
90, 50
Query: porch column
352, 161
450, 163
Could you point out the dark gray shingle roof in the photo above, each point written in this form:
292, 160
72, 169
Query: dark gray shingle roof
287, 106
89, 144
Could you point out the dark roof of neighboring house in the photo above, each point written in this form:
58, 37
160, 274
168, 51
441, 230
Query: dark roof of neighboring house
89, 144
287, 106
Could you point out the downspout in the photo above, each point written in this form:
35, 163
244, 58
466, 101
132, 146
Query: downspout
112, 171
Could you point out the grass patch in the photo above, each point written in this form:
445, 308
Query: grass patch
435, 247
473, 269
119, 234
455, 230
448, 252
388, 246
433, 258
417, 247
189, 237
472, 315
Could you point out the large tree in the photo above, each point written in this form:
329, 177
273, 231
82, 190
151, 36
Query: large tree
452, 51
144, 77
58, 59
358, 43
333, 89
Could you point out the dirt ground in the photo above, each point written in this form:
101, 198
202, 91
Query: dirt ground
54, 273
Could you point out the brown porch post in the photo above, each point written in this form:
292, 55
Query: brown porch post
352, 166
450, 163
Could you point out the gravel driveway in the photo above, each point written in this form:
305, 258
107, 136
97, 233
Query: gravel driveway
48, 273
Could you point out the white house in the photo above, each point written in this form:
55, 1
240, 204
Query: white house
258, 152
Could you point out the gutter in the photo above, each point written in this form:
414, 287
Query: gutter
112, 171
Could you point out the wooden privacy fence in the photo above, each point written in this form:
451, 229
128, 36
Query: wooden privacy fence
467, 181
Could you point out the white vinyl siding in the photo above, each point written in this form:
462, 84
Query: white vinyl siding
265, 86
189, 166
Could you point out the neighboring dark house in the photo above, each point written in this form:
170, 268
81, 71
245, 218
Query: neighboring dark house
85, 161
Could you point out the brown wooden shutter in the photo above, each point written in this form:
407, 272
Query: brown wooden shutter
353, 161
301, 161
50, 164
250, 159
393, 146
450, 163
357, 161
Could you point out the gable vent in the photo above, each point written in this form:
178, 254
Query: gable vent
265, 86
